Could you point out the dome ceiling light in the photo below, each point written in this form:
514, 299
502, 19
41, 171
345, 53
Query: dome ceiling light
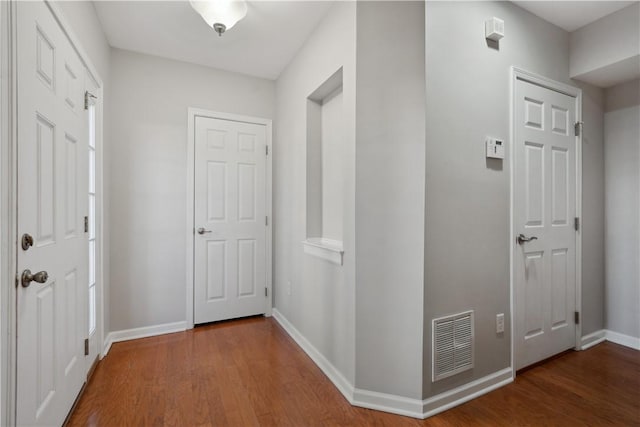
220, 15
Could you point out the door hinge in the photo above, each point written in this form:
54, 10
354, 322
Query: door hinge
577, 128
86, 347
86, 224
89, 99
266, 220
576, 223
266, 149
266, 292
576, 317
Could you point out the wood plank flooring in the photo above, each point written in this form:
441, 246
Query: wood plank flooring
250, 372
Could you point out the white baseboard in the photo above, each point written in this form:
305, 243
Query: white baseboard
388, 403
459, 395
144, 332
597, 337
625, 340
394, 404
592, 339
335, 376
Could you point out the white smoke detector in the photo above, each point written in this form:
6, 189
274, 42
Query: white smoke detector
494, 29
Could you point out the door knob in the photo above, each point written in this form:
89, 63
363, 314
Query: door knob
27, 277
201, 230
523, 239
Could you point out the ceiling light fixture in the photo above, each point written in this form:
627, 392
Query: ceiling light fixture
220, 15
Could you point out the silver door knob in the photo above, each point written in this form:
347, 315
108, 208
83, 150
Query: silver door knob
27, 277
523, 239
202, 231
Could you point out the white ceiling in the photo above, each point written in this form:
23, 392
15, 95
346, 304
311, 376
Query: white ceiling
571, 15
261, 44
266, 40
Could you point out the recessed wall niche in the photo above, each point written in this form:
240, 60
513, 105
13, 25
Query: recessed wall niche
325, 170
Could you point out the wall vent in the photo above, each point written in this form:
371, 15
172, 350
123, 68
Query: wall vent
452, 346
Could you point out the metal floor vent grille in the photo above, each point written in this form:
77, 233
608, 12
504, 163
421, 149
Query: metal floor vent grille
452, 345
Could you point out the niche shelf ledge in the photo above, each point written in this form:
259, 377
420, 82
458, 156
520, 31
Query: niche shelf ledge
327, 249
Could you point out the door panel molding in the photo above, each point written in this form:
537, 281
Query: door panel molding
519, 74
192, 114
9, 193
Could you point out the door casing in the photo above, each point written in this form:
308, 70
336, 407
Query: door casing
8, 200
536, 79
192, 113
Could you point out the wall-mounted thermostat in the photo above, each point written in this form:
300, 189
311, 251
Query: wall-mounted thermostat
494, 29
495, 148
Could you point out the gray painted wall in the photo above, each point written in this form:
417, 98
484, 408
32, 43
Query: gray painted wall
592, 208
622, 171
321, 300
608, 49
467, 197
82, 17
148, 158
390, 168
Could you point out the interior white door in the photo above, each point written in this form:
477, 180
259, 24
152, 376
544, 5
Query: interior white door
52, 203
230, 219
544, 212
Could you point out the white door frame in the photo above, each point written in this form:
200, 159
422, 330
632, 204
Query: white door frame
520, 74
192, 113
8, 162
8, 202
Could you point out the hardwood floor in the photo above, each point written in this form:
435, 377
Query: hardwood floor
249, 372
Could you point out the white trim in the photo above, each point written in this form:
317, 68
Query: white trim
391, 403
327, 249
433, 405
144, 332
512, 236
592, 339
578, 294
540, 80
388, 403
536, 79
189, 223
100, 225
622, 339
459, 395
192, 113
602, 335
342, 384
8, 203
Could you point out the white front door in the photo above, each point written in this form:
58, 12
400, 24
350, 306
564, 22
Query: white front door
230, 246
52, 203
544, 212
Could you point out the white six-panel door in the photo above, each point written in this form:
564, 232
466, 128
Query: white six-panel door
229, 216
52, 203
544, 212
